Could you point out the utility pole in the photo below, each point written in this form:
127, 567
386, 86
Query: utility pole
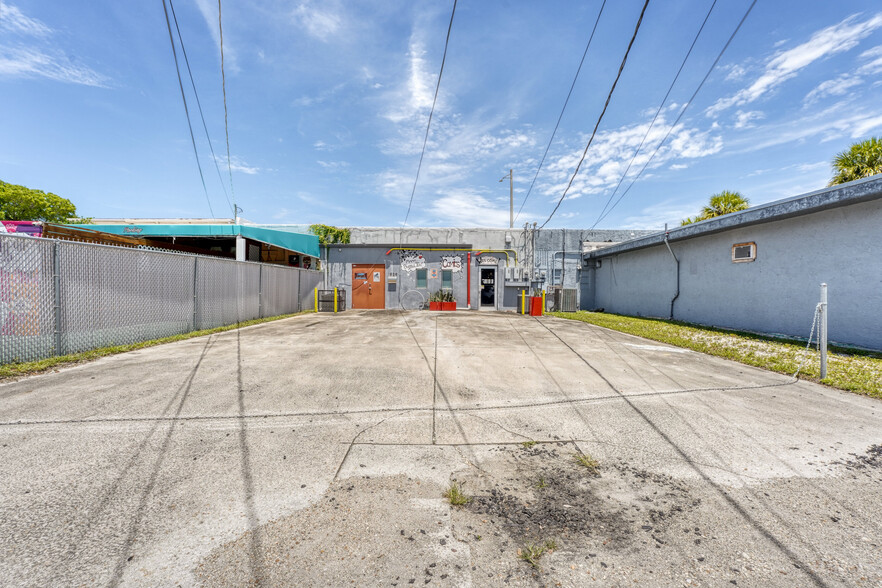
510, 177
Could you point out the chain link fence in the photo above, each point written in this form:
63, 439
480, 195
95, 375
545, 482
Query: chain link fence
61, 297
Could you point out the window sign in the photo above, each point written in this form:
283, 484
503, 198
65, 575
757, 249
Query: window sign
361, 275
376, 277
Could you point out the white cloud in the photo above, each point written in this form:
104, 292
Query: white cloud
841, 85
28, 51
32, 62
341, 140
736, 73
489, 143
467, 208
322, 22
333, 164
744, 120
874, 61
835, 87
324, 96
655, 216
237, 165
612, 150
12, 19
786, 64
208, 10
834, 123
413, 97
810, 167
863, 127
678, 166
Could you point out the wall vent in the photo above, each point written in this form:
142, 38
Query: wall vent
742, 252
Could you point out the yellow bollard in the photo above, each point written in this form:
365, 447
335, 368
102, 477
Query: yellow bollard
315, 298
543, 301
523, 302
335, 299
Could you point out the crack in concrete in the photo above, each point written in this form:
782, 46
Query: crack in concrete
793, 557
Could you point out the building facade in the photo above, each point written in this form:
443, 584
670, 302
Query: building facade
506, 262
757, 270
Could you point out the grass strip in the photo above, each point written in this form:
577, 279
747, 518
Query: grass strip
27, 368
853, 370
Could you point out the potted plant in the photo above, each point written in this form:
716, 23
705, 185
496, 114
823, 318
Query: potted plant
447, 301
435, 300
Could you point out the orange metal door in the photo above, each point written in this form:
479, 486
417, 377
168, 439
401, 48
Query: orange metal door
368, 286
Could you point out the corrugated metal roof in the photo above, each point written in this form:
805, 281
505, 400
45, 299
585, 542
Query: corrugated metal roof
297, 242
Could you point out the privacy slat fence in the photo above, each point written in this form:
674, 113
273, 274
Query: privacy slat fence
61, 297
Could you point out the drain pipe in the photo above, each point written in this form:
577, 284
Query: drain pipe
469, 280
677, 295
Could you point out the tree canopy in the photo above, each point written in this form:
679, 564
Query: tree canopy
329, 235
861, 160
21, 203
725, 202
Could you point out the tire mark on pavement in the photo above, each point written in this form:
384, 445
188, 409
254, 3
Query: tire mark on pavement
255, 547
140, 511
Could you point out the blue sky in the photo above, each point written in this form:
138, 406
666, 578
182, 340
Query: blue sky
328, 103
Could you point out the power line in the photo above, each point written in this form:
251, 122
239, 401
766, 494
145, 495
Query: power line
660, 106
600, 118
431, 112
224, 87
186, 110
554, 132
198, 103
673, 126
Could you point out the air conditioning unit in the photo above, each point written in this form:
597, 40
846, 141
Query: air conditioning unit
562, 299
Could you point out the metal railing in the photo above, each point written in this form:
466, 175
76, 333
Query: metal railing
60, 297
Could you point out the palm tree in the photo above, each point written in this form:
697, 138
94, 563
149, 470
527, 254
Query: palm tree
861, 160
725, 202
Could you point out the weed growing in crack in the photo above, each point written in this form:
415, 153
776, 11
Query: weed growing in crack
532, 553
528, 444
541, 483
586, 460
455, 495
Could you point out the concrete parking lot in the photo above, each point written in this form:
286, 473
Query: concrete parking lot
315, 451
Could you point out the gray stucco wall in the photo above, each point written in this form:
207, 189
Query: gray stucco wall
777, 293
404, 293
540, 251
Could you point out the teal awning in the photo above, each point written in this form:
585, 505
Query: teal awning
297, 242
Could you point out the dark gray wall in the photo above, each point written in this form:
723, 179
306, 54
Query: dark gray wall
404, 293
540, 251
777, 293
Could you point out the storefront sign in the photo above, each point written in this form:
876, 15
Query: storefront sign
22, 228
411, 261
452, 263
488, 260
